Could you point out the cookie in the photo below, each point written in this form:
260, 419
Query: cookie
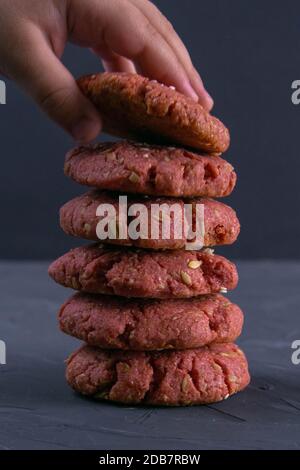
117, 323
135, 273
133, 106
196, 376
153, 170
78, 218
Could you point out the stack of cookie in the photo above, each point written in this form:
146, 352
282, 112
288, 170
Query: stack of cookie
156, 326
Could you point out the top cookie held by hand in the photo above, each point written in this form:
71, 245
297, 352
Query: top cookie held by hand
135, 107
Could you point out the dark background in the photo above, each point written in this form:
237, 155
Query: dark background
248, 55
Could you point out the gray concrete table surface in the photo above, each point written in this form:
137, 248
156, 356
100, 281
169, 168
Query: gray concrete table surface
39, 411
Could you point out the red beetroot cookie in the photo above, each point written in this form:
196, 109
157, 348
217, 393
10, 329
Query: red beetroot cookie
135, 107
135, 273
117, 323
196, 376
78, 218
158, 171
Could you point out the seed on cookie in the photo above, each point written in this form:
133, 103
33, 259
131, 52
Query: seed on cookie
87, 228
208, 251
217, 367
232, 378
134, 177
223, 290
194, 264
185, 384
110, 156
186, 278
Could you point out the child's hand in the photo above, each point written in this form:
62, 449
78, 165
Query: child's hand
128, 35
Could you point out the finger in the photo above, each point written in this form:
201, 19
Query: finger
113, 62
45, 78
119, 64
160, 22
123, 28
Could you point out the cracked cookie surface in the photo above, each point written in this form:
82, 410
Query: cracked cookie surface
117, 323
133, 106
148, 169
129, 272
197, 376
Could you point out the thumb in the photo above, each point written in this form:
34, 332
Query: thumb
53, 87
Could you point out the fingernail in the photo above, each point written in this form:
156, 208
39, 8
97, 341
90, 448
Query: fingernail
204, 97
86, 130
209, 100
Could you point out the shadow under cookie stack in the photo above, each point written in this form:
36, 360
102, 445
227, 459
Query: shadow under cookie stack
157, 327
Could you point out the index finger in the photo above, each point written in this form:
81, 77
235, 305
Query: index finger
122, 27
166, 29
